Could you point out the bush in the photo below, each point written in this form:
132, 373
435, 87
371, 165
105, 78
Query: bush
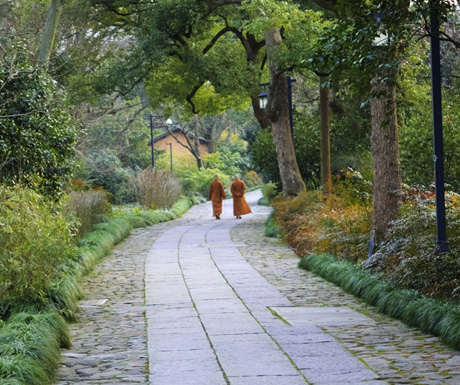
87, 207
34, 237
252, 179
37, 134
314, 224
269, 191
198, 181
407, 257
156, 188
103, 168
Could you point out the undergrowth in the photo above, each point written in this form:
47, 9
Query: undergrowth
439, 318
32, 332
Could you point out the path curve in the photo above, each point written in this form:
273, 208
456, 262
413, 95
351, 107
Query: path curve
224, 305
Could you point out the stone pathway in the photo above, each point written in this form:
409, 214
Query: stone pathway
221, 304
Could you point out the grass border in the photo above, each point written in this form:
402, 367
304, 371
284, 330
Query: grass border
432, 316
30, 341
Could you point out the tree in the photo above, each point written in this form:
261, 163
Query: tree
49, 32
349, 50
37, 136
218, 44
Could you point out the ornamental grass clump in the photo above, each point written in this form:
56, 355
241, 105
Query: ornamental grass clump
157, 189
87, 207
30, 347
440, 318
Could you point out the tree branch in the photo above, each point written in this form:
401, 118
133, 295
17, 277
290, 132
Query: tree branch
192, 94
217, 37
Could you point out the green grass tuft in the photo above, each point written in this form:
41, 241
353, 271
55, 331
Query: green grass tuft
30, 347
432, 316
271, 228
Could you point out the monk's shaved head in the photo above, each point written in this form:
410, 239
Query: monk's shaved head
237, 176
216, 176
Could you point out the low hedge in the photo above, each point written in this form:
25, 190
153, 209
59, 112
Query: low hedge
441, 319
30, 340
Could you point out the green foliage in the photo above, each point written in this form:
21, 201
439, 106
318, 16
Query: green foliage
407, 257
252, 179
269, 191
271, 227
306, 140
34, 236
428, 315
198, 181
37, 135
30, 348
103, 168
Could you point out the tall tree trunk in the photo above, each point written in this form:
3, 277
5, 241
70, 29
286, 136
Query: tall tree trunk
326, 179
213, 133
49, 32
196, 143
278, 112
385, 152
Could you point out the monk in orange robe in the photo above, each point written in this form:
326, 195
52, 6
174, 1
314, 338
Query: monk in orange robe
240, 206
216, 195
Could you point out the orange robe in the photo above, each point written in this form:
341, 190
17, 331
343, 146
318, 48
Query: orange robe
240, 206
216, 194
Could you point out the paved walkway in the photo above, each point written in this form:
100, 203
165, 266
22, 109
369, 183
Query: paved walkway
225, 305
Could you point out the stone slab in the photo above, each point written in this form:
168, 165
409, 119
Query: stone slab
321, 316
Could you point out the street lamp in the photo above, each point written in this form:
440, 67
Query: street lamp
263, 100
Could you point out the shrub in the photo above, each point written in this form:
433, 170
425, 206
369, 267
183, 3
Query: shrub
269, 191
87, 207
314, 224
104, 168
252, 179
407, 257
198, 181
37, 134
156, 188
34, 237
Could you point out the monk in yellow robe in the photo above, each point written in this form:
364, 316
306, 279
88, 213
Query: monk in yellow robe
216, 195
240, 206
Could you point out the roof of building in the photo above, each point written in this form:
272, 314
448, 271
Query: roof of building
175, 129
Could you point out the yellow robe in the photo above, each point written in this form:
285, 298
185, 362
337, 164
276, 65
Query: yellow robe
240, 206
216, 194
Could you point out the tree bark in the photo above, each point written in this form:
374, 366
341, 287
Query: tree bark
49, 32
385, 152
326, 179
277, 111
196, 143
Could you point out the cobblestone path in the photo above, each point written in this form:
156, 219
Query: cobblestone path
187, 285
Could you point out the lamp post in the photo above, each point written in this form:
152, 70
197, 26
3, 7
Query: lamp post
168, 123
441, 237
151, 140
263, 100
